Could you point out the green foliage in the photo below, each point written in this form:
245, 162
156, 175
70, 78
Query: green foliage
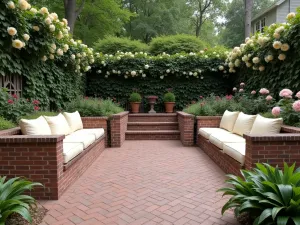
13, 200
6, 124
111, 45
268, 194
36, 115
176, 44
12, 107
188, 89
169, 97
135, 97
93, 107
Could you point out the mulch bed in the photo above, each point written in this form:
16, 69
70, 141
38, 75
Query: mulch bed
37, 214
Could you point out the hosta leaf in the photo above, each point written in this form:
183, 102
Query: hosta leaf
282, 220
286, 192
275, 211
264, 215
248, 205
296, 220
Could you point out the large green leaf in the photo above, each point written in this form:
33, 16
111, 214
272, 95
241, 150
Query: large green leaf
286, 192
296, 220
275, 211
264, 215
282, 220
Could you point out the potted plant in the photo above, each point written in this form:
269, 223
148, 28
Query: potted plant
135, 101
169, 100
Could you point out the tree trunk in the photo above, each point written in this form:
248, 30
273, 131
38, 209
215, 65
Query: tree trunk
70, 13
248, 17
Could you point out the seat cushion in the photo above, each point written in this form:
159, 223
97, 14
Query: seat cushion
74, 121
236, 151
37, 126
58, 124
228, 120
218, 139
207, 131
97, 132
85, 139
243, 124
266, 126
71, 150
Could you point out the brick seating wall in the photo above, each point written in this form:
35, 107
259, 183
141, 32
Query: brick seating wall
118, 128
272, 149
40, 159
186, 127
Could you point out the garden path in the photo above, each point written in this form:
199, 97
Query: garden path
144, 182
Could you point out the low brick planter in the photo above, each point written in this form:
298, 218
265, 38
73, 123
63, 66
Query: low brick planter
40, 158
118, 128
186, 127
272, 149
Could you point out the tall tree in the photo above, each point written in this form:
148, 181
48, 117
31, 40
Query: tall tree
248, 16
205, 10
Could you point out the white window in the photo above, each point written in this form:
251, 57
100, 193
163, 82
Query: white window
259, 25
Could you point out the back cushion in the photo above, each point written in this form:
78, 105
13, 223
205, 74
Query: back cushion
266, 126
58, 124
74, 121
243, 124
228, 120
37, 126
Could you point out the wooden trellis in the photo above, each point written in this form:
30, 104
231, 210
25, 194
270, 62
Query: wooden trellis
13, 83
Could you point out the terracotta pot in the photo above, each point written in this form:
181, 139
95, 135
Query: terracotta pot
135, 107
169, 107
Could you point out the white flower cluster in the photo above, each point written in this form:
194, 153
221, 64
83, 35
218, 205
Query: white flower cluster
249, 53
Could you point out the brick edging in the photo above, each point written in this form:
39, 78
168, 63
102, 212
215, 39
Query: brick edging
184, 114
31, 138
274, 137
119, 115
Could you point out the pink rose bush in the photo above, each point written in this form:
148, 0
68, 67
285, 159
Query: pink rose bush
264, 91
269, 98
276, 111
296, 106
253, 92
286, 93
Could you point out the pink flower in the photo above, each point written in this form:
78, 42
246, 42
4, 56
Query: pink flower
228, 97
269, 98
241, 90
234, 89
276, 111
15, 96
9, 101
286, 93
242, 84
36, 108
296, 106
35, 102
201, 97
253, 92
298, 94
264, 91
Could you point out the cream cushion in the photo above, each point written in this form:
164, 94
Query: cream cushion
228, 120
236, 151
37, 126
85, 139
74, 120
71, 150
58, 124
206, 132
243, 124
97, 132
218, 139
262, 126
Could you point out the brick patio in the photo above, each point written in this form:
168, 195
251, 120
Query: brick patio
144, 182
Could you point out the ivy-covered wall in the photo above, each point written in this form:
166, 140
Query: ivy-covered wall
185, 89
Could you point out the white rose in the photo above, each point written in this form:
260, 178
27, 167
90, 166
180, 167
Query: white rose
11, 5
17, 44
290, 15
26, 37
66, 47
59, 35
285, 47
48, 21
59, 52
168, 71
125, 76
33, 10
44, 10
221, 67
51, 56
161, 77
146, 67
256, 60
270, 57
11, 31
261, 68
276, 35
52, 28
247, 39
73, 56
44, 58
248, 64
201, 52
133, 73
237, 62
282, 57
144, 75
54, 16
23, 5
65, 21
277, 44
36, 28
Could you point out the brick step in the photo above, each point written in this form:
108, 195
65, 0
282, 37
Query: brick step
157, 117
152, 135
152, 126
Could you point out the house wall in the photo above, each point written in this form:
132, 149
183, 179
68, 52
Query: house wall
282, 11
294, 5
270, 18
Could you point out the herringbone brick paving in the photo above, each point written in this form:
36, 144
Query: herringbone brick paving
144, 182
